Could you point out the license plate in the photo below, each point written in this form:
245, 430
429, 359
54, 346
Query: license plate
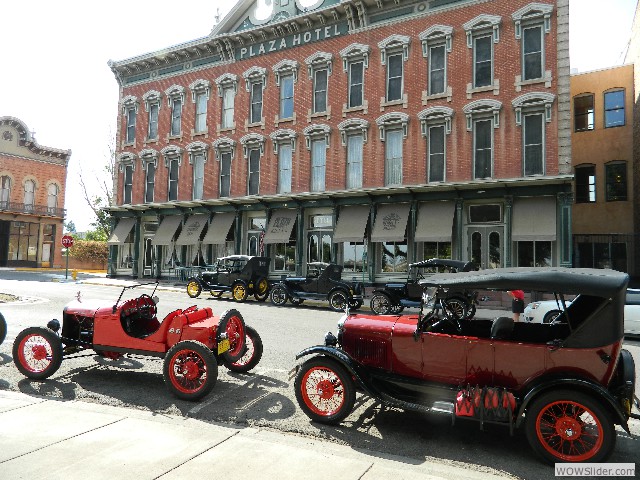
223, 345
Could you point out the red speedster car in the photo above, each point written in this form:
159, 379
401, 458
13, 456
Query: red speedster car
192, 341
567, 384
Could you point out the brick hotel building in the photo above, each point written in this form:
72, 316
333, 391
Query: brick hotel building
371, 133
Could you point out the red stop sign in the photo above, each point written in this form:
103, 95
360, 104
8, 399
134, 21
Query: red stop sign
67, 241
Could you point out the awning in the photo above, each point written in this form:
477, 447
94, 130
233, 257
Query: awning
534, 219
435, 222
219, 228
192, 229
166, 230
280, 225
391, 222
121, 232
351, 224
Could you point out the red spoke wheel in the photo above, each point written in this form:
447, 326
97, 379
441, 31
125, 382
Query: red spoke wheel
252, 355
190, 370
325, 391
37, 352
570, 426
232, 323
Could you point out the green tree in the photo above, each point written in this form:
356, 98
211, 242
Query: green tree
70, 227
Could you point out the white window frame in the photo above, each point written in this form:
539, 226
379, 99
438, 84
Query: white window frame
149, 159
316, 63
175, 100
253, 142
255, 77
53, 190
318, 156
355, 53
481, 110
524, 143
284, 137
483, 26
172, 156
152, 105
396, 47
198, 159
393, 121
5, 190
127, 160
286, 71
227, 84
528, 104
224, 148
534, 14
350, 128
435, 117
129, 111
436, 36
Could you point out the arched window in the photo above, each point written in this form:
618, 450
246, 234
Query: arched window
5, 191
52, 198
29, 195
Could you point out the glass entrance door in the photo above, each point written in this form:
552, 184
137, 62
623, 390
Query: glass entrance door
485, 245
149, 268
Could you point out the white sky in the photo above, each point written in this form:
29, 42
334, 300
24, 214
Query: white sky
54, 74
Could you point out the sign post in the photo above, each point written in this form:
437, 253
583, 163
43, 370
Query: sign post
67, 242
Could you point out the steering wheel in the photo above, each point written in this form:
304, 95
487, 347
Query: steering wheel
450, 316
146, 307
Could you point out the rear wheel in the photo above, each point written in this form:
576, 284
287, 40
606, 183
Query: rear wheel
261, 289
232, 323
338, 300
457, 306
37, 352
396, 309
239, 292
278, 296
325, 391
3, 329
252, 354
380, 304
569, 426
190, 370
471, 312
355, 304
194, 288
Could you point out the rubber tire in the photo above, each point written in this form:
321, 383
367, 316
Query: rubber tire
3, 328
279, 296
216, 293
544, 400
380, 304
341, 375
334, 300
210, 363
261, 297
239, 292
56, 352
252, 354
396, 309
550, 316
239, 330
194, 289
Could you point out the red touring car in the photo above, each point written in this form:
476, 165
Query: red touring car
567, 384
193, 342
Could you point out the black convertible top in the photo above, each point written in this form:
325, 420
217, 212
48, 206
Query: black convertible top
588, 281
595, 317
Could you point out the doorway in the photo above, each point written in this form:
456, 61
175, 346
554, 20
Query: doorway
486, 245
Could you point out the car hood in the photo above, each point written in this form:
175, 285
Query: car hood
86, 308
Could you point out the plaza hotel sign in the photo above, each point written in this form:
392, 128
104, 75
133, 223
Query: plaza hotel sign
291, 41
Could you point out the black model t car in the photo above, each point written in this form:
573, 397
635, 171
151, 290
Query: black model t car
323, 282
394, 297
242, 275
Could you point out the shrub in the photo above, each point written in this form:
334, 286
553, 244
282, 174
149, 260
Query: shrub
89, 250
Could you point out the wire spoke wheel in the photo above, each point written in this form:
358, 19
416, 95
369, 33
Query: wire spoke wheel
37, 352
190, 370
570, 427
325, 391
252, 354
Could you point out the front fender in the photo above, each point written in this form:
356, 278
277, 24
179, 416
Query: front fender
345, 360
576, 384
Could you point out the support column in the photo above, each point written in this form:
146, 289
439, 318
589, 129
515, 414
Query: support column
565, 237
508, 219
457, 250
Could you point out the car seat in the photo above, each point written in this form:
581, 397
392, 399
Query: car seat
501, 328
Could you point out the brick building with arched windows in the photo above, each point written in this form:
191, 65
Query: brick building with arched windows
32, 189
367, 133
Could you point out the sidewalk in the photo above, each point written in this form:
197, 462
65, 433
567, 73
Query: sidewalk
56, 439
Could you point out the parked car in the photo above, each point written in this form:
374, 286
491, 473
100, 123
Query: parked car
323, 282
193, 341
3, 328
548, 311
241, 275
393, 298
567, 385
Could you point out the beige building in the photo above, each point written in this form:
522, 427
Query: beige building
603, 161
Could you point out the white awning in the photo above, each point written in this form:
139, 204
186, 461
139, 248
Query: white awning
166, 230
219, 228
351, 224
121, 232
391, 222
435, 222
534, 219
192, 229
280, 225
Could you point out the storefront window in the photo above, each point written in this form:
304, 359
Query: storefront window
284, 257
436, 250
23, 242
394, 257
354, 256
